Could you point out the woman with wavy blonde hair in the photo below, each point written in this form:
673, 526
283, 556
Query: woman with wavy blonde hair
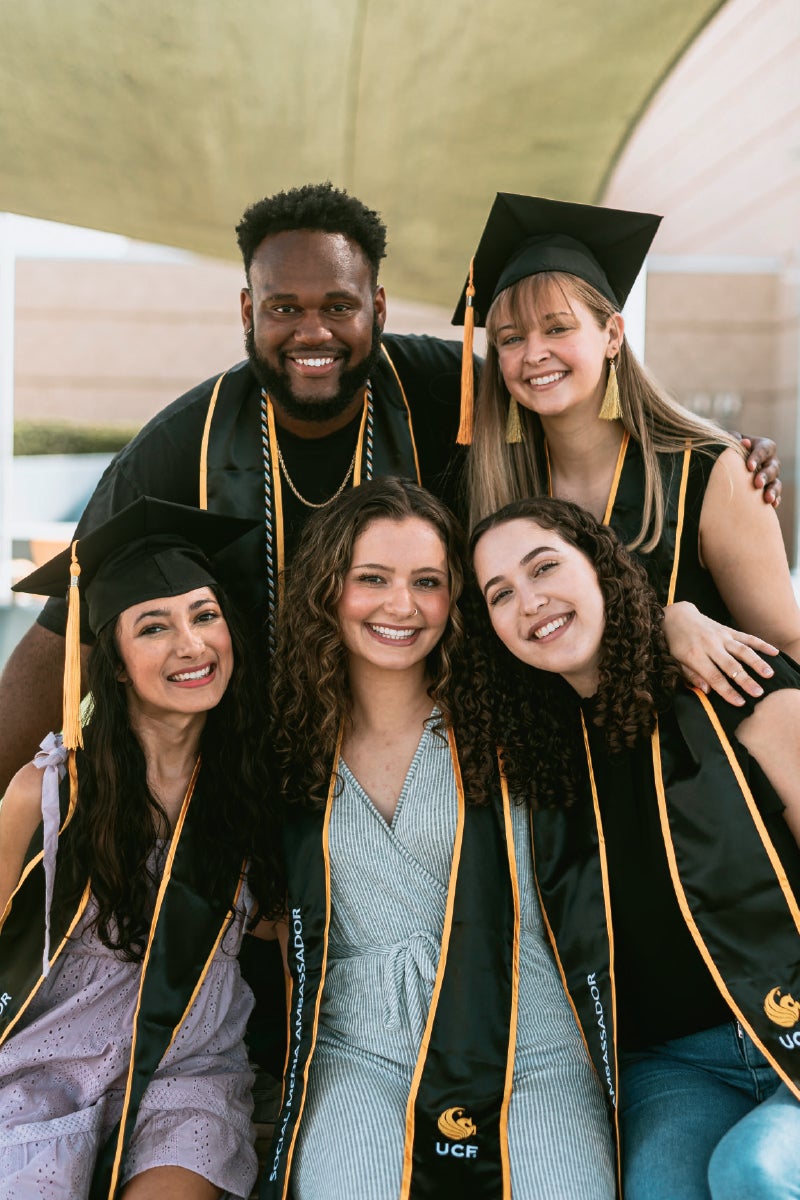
665, 831
565, 409
431, 1049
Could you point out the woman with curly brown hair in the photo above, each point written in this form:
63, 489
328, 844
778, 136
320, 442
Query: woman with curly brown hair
123, 889
431, 1049
665, 831
564, 408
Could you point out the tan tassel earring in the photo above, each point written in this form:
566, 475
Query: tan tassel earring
513, 423
611, 409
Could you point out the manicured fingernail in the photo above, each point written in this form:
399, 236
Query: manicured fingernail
762, 479
767, 671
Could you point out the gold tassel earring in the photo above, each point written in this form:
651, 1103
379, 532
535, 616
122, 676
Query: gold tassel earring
611, 409
513, 423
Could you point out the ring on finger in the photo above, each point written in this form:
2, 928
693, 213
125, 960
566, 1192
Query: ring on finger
736, 673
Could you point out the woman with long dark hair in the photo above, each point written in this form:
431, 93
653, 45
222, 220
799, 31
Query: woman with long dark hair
129, 871
665, 829
431, 1050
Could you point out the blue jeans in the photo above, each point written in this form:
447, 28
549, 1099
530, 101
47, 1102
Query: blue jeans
705, 1117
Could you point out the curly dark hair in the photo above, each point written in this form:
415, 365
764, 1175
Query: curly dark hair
317, 206
310, 691
535, 712
118, 820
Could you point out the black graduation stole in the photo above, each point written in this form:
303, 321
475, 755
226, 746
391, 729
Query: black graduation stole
729, 881
571, 872
185, 931
456, 1139
240, 471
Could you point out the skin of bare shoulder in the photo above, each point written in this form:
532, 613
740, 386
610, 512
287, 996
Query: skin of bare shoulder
20, 815
772, 735
742, 546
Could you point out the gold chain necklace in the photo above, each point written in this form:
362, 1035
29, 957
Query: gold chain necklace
302, 499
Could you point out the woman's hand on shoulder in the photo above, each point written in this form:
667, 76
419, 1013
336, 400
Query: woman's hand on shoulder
764, 467
741, 544
20, 816
714, 656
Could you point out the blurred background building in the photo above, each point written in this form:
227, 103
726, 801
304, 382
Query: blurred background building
162, 125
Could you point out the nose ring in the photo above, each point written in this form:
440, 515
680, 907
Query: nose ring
414, 613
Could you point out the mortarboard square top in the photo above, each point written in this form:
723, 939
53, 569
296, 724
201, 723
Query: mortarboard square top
150, 549
525, 235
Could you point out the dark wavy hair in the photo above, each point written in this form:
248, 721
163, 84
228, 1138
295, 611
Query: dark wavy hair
311, 693
317, 206
118, 820
536, 712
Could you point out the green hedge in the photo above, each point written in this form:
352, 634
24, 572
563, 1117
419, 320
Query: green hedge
60, 437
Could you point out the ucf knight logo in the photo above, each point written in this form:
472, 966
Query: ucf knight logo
456, 1126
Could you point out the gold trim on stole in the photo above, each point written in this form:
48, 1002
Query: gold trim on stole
408, 1149
677, 884
212, 404
326, 856
162, 888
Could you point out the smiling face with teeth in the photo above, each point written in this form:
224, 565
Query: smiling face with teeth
177, 655
313, 317
395, 602
544, 600
552, 351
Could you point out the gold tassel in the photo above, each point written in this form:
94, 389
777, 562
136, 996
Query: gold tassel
464, 436
71, 703
611, 409
513, 423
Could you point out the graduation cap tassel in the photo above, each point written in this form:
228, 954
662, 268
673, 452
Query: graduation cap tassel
71, 703
464, 436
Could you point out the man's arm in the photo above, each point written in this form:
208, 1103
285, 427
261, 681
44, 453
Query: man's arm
30, 698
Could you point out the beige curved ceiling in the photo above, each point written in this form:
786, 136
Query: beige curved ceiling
163, 119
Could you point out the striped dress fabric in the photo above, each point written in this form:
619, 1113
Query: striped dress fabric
388, 891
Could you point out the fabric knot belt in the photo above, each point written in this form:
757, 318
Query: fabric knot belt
50, 760
410, 971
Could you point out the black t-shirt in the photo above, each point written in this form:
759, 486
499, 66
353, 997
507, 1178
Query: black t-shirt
163, 459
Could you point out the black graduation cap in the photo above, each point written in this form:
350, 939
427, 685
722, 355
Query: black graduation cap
150, 549
525, 235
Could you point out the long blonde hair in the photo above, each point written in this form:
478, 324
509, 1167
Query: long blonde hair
499, 473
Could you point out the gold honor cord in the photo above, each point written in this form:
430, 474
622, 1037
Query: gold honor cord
512, 1036
408, 1149
212, 404
326, 856
73, 923
408, 412
687, 455
683, 903
162, 888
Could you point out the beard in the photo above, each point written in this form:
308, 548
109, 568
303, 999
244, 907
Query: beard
276, 383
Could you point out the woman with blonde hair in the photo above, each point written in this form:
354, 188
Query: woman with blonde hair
565, 408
